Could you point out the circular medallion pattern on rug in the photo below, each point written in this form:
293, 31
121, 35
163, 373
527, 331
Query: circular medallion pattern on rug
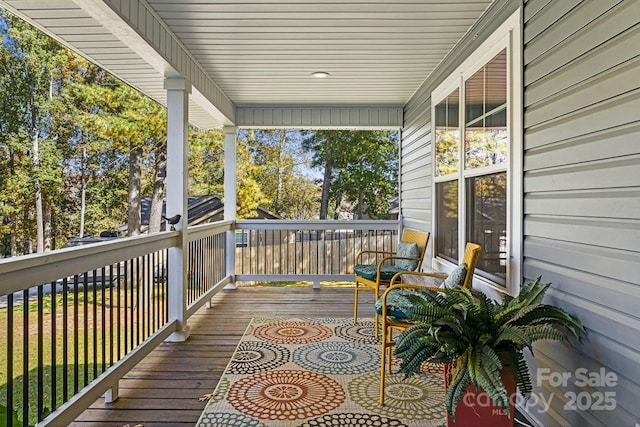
220, 391
255, 356
327, 320
426, 367
421, 396
292, 332
331, 357
352, 420
363, 331
229, 420
286, 395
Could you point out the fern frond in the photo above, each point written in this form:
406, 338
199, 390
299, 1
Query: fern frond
473, 365
516, 364
491, 382
545, 332
411, 336
531, 293
518, 337
524, 376
548, 314
411, 362
460, 381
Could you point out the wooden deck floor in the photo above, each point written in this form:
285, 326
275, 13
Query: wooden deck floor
163, 390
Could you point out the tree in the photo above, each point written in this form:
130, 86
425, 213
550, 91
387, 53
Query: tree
95, 174
31, 66
278, 152
249, 193
360, 168
134, 125
206, 162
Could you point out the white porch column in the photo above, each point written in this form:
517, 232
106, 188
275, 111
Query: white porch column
230, 171
178, 90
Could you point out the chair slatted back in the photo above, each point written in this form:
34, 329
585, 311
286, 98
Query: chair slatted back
471, 256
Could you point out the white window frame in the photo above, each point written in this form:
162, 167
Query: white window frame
508, 36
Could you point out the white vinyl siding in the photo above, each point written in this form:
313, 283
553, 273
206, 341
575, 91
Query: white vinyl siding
582, 194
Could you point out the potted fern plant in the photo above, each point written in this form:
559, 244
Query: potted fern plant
481, 342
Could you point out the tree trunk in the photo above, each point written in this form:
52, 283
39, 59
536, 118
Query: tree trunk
361, 196
360, 203
14, 234
13, 218
35, 157
83, 189
336, 214
27, 243
155, 215
135, 180
326, 183
280, 169
48, 231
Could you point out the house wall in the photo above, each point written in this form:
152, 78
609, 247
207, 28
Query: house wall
581, 193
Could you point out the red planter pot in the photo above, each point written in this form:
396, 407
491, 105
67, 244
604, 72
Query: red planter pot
476, 409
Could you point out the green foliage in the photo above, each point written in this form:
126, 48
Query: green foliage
28, 64
5, 414
480, 337
360, 169
279, 161
206, 162
249, 194
85, 122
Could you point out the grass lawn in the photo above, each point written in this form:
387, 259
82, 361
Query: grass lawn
84, 347
298, 284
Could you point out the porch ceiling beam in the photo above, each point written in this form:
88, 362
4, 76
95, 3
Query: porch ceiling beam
320, 117
135, 24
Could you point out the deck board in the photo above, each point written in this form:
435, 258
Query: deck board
163, 390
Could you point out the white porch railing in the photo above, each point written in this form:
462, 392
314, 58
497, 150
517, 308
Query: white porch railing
282, 250
102, 308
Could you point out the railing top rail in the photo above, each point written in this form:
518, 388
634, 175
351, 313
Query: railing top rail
269, 224
199, 231
23, 272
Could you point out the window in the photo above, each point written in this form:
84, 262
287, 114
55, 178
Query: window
477, 159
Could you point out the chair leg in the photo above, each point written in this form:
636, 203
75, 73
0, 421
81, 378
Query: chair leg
377, 319
390, 350
377, 316
383, 364
355, 305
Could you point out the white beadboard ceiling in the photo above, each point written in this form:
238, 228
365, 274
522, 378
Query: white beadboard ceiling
261, 53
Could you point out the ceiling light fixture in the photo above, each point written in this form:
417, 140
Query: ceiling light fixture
320, 74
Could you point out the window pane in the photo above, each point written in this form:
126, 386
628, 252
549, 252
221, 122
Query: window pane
487, 223
447, 220
486, 114
447, 134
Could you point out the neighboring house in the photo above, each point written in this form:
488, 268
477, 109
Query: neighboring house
202, 210
104, 236
209, 208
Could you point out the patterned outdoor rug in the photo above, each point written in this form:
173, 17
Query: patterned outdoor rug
318, 372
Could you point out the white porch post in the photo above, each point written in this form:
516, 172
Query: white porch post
178, 90
230, 140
